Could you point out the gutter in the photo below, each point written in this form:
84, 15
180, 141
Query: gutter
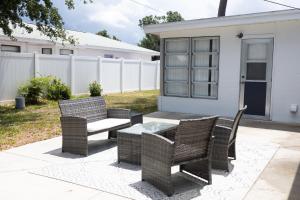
246, 19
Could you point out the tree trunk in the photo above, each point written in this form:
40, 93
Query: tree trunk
222, 8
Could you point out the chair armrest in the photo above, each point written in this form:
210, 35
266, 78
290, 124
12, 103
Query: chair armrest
225, 122
73, 119
73, 125
118, 113
157, 148
170, 134
222, 134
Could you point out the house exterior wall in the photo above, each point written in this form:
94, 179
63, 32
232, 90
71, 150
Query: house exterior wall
29, 47
285, 75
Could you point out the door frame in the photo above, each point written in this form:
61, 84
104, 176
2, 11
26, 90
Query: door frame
269, 75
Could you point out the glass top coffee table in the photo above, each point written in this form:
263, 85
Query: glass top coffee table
129, 139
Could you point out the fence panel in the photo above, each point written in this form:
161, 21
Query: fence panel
110, 75
85, 69
77, 72
14, 71
149, 75
58, 66
131, 79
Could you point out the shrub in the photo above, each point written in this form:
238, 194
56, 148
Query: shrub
58, 90
40, 88
34, 90
95, 89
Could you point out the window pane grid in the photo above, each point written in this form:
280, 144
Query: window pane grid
204, 75
191, 67
177, 46
205, 61
202, 90
176, 89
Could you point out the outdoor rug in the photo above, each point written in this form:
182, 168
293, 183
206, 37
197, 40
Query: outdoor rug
102, 172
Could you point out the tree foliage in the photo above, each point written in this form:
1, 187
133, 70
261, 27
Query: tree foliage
41, 12
105, 34
152, 41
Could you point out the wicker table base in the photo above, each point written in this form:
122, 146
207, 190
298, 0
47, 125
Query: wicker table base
129, 140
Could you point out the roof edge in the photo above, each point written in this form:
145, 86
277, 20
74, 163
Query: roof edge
253, 18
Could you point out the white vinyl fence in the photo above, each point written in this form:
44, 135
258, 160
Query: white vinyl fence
115, 75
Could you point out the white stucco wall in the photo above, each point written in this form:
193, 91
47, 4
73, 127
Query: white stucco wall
285, 76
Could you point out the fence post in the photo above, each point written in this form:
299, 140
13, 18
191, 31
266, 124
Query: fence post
72, 74
36, 65
140, 75
99, 74
121, 74
157, 68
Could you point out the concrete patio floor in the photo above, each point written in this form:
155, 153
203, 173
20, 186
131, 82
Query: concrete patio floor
279, 180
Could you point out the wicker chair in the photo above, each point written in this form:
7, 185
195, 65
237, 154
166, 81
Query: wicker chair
81, 118
224, 142
191, 149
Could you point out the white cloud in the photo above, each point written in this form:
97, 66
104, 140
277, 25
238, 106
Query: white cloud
121, 14
120, 17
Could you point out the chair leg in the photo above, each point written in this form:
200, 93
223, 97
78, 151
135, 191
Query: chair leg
220, 157
158, 175
231, 151
201, 169
75, 145
112, 134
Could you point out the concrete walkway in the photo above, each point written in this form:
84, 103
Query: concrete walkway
279, 180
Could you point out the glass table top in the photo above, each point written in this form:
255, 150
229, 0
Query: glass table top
149, 127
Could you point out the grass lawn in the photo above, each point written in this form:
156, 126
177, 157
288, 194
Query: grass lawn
40, 122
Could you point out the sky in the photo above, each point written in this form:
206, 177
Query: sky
121, 17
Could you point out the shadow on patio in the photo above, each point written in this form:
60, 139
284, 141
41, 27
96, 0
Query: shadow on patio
295, 192
95, 146
263, 124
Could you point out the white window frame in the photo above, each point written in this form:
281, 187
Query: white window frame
108, 55
51, 51
4, 45
71, 51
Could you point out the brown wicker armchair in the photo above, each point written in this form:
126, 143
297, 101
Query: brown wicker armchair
191, 149
224, 142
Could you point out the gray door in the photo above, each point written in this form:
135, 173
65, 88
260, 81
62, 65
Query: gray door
256, 76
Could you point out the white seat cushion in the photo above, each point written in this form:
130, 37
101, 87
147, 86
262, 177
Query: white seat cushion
105, 124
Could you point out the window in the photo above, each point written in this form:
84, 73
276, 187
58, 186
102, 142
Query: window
191, 67
46, 50
176, 79
10, 48
108, 55
66, 51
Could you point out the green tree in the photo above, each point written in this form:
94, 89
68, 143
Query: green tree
40, 12
152, 41
115, 38
105, 34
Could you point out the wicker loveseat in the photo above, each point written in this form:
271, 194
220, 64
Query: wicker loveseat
81, 118
224, 143
191, 149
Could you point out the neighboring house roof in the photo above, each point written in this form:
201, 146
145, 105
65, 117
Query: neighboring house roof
255, 18
84, 39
